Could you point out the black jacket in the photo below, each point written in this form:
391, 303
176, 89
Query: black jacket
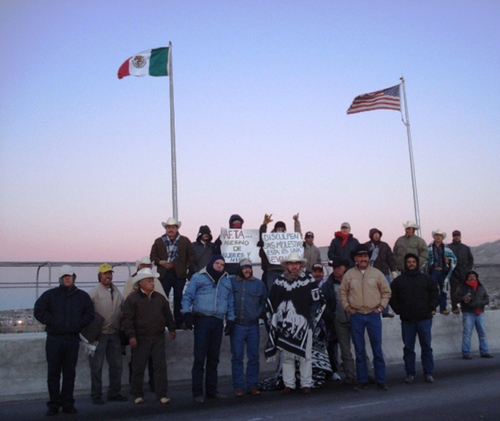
465, 260
479, 298
64, 311
414, 295
328, 290
337, 251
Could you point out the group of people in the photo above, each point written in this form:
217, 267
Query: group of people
308, 316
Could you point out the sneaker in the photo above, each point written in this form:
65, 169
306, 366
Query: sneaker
287, 390
199, 399
382, 386
69, 410
117, 398
429, 378
486, 356
361, 386
52, 411
445, 312
466, 357
139, 400
306, 390
349, 380
164, 400
238, 393
409, 379
254, 391
97, 401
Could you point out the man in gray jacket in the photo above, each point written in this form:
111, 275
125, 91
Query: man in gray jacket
410, 243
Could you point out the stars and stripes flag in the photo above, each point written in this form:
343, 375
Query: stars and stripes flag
386, 99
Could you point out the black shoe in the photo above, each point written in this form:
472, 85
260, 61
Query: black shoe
429, 378
52, 411
97, 401
117, 398
382, 386
486, 356
70, 410
466, 357
361, 386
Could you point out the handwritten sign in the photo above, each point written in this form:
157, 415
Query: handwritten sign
239, 244
278, 245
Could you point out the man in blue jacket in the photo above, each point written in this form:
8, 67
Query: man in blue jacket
250, 295
207, 301
65, 311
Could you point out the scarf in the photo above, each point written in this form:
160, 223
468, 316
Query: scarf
215, 274
344, 237
294, 306
374, 247
473, 285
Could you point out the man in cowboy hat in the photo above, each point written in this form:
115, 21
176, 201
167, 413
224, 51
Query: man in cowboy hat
108, 303
146, 313
294, 307
465, 263
65, 311
440, 264
173, 253
365, 293
410, 243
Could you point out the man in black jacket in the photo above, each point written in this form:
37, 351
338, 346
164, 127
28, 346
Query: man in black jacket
414, 296
64, 311
465, 263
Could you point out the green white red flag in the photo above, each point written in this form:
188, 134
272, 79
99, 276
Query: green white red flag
153, 62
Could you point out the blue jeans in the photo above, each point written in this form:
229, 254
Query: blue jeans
373, 324
207, 342
439, 276
409, 331
111, 348
469, 321
241, 335
171, 281
62, 356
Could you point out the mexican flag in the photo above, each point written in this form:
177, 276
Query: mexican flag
150, 62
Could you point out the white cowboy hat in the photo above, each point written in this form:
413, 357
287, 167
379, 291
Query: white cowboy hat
440, 232
171, 221
293, 257
144, 261
143, 274
411, 224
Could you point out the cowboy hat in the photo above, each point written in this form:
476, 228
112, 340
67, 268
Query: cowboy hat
411, 224
171, 221
440, 232
144, 261
143, 274
293, 257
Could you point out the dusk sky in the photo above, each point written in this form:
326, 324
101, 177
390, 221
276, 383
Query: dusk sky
261, 93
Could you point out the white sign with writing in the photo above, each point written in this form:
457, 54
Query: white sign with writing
278, 245
239, 244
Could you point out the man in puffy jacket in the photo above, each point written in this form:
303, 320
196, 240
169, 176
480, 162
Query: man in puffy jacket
65, 311
343, 244
414, 296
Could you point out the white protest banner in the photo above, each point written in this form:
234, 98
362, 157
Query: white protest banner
239, 244
278, 245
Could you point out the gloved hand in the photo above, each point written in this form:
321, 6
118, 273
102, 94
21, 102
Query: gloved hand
394, 274
228, 330
188, 320
267, 218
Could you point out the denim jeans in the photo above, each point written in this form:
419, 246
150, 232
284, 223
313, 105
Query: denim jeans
372, 322
111, 348
171, 281
439, 276
62, 356
242, 335
409, 331
207, 342
469, 321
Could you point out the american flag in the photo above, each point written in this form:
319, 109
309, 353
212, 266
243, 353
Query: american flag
386, 99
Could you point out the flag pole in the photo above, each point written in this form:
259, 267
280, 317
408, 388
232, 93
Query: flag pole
172, 132
412, 164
